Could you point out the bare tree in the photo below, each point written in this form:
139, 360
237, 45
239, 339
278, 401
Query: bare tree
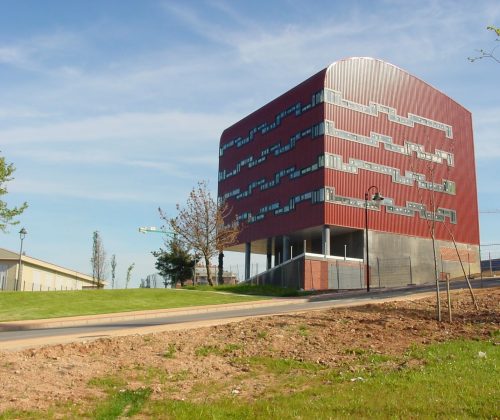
129, 274
431, 225
466, 277
98, 260
204, 225
113, 270
488, 53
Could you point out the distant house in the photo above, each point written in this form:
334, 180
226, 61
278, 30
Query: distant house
36, 275
201, 275
492, 265
228, 277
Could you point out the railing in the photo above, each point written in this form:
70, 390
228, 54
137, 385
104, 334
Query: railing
288, 274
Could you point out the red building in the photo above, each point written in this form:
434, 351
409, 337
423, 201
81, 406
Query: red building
297, 172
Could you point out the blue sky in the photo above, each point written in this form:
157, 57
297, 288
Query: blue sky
110, 109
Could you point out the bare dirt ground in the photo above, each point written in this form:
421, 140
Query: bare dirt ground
41, 377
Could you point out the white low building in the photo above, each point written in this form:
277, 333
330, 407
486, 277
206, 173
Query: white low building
35, 275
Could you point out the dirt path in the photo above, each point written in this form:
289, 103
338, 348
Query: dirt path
39, 378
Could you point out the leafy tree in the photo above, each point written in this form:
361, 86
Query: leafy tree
113, 270
175, 264
7, 215
204, 225
129, 274
485, 53
98, 259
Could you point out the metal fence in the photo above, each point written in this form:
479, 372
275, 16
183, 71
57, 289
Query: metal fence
346, 275
342, 274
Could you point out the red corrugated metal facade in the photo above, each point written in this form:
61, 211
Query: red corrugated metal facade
383, 126
305, 151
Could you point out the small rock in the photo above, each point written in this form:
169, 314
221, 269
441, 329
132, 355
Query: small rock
481, 355
359, 378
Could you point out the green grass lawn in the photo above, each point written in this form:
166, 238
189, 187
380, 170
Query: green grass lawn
452, 382
259, 290
456, 379
16, 306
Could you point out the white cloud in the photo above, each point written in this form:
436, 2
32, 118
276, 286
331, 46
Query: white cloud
111, 159
175, 128
12, 55
15, 113
89, 191
36, 53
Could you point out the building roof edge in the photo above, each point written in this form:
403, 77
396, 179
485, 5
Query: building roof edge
400, 69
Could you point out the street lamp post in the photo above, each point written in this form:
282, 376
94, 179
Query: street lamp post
377, 198
22, 235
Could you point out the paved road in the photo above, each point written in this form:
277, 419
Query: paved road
32, 335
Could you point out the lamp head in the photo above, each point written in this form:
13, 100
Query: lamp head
22, 233
377, 198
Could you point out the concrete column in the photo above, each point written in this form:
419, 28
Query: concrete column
248, 250
325, 244
269, 253
286, 248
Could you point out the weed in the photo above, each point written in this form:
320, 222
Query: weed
232, 347
206, 350
152, 373
262, 334
107, 383
355, 352
182, 375
303, 330
495, 334
280, 366
378, 358
170, 352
